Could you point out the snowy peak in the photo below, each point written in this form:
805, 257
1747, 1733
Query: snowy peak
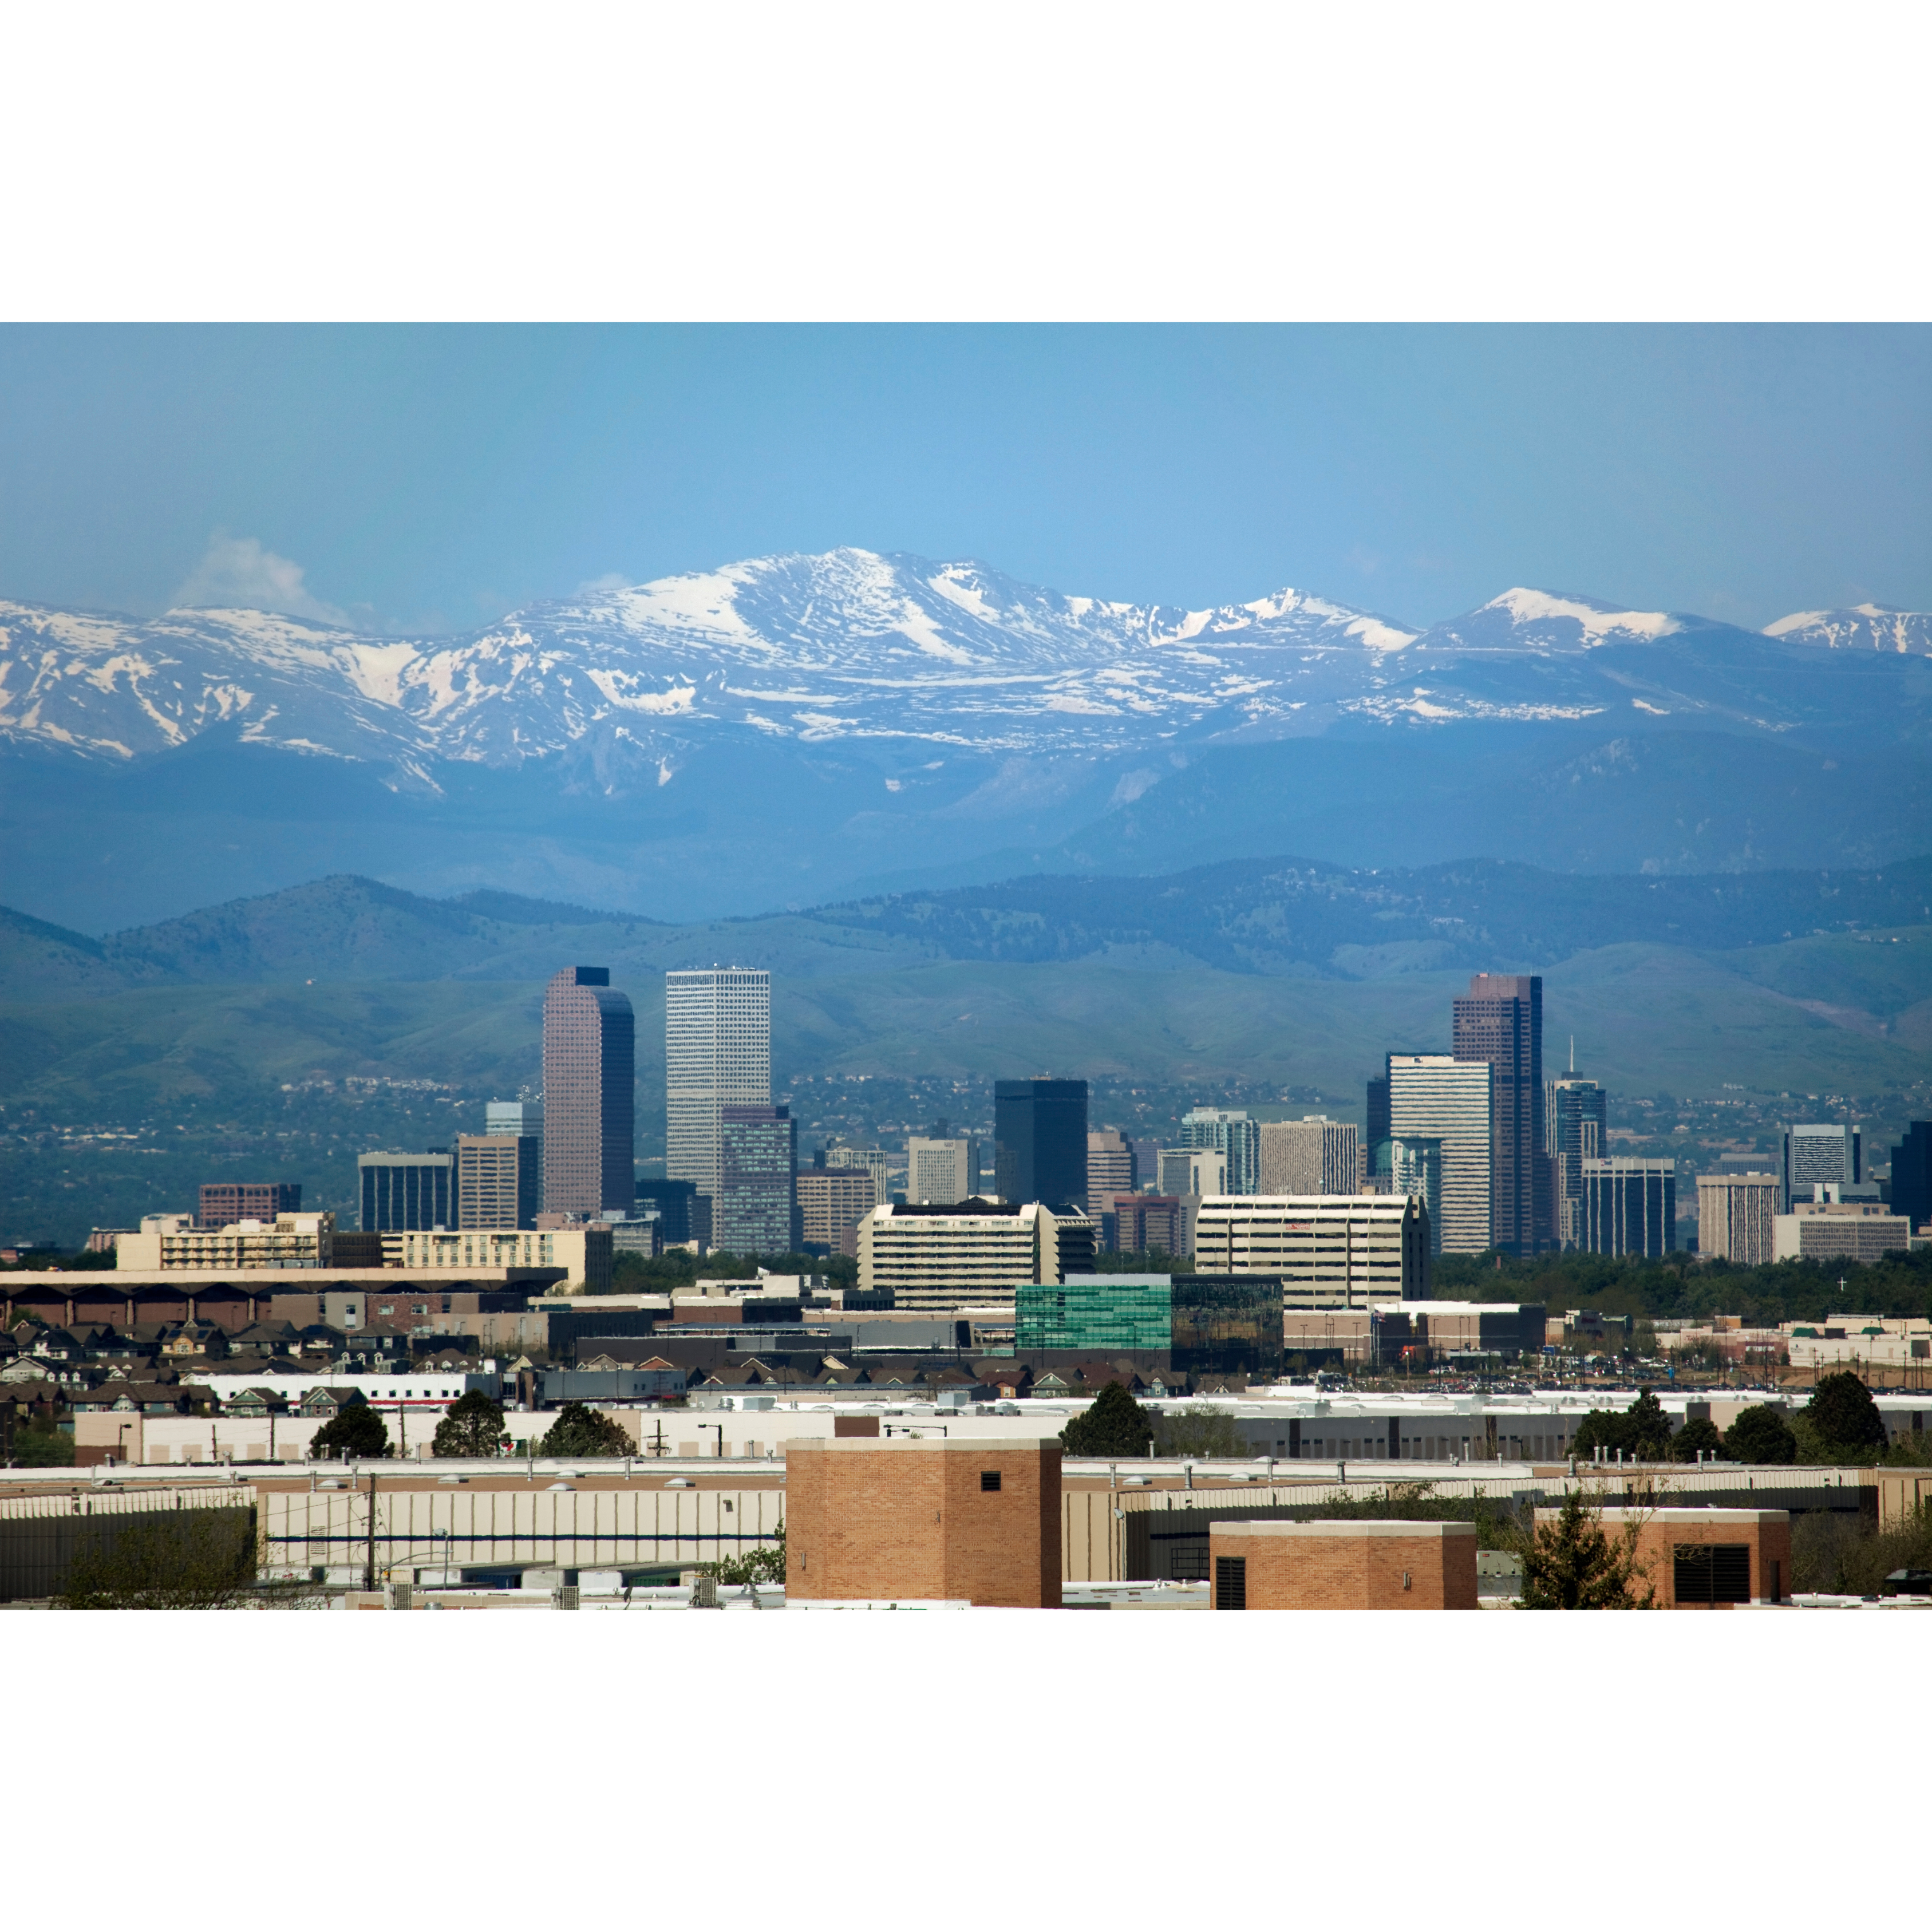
1523, 619
918, 659
1865, 627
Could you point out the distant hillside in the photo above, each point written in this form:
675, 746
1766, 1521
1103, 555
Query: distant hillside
1269, 916
1292, 916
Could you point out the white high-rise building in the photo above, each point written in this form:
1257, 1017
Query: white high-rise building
1434, 1097
717, 1053
939, 1172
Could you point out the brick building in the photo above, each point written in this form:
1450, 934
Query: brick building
952, 1520
1702, 1559
832, 1202
222, 1203
1342, 1566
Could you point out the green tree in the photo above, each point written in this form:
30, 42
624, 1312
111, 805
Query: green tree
1573, 1564
1696, 1438
764, 1564
1642, 1431
579, 1431
200, 1559
356, 1431
1199, 1429
1760, 1435
1846, 1419
472, 1425
35, 1443
1649, 1428
1112, 1424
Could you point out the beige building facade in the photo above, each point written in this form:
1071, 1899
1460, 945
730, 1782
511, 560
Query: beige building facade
1849, 1231
173, 1241
1312, 1156
1330, 1250
832, 1202
975, 1254
1737, 1215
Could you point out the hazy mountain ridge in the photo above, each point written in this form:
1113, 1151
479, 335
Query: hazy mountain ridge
1273, 917
793, 730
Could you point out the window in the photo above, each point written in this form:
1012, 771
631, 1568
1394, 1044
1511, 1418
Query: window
989, 1479
1230, 1582
1712, 1572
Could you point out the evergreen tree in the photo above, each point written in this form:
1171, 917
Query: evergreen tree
1696, 1438
1760, 1435
1112, 1424
1847, 1419
356, 1431
579, 1431
1641, 1432
1573, 1564
1649, 1429
472, 1425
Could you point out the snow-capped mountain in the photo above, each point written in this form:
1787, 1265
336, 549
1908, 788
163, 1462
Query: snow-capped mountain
1865, 627
850, 645
898, 652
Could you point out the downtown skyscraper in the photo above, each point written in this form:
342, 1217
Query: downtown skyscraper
1500, 1021
590, 1075
1441, 1113
718, 1054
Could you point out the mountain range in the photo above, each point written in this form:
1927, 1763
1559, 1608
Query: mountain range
788, 729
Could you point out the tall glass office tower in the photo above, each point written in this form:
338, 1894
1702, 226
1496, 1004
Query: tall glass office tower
1500, 1020
718, 1054
1039, 1141
590, 1076
1434, 1097
1575, 1125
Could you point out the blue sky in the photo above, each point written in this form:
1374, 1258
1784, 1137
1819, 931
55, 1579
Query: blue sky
423, 479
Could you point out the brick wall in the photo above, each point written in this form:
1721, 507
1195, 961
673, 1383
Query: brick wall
1765, 1533
1348, 1566
890, 1518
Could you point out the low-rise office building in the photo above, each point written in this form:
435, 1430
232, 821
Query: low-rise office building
1839, 1231
1330, 1250
584, 1254
1191, 1323
174, 1241
974, 1253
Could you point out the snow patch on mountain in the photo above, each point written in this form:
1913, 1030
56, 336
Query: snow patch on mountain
624, 682
1867, 627
1597, 621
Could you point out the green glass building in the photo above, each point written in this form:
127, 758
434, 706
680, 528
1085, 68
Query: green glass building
1096, 1314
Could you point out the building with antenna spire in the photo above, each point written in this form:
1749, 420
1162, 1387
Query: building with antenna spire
1575, 1125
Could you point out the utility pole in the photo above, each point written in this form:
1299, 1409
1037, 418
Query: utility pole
369, 1561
